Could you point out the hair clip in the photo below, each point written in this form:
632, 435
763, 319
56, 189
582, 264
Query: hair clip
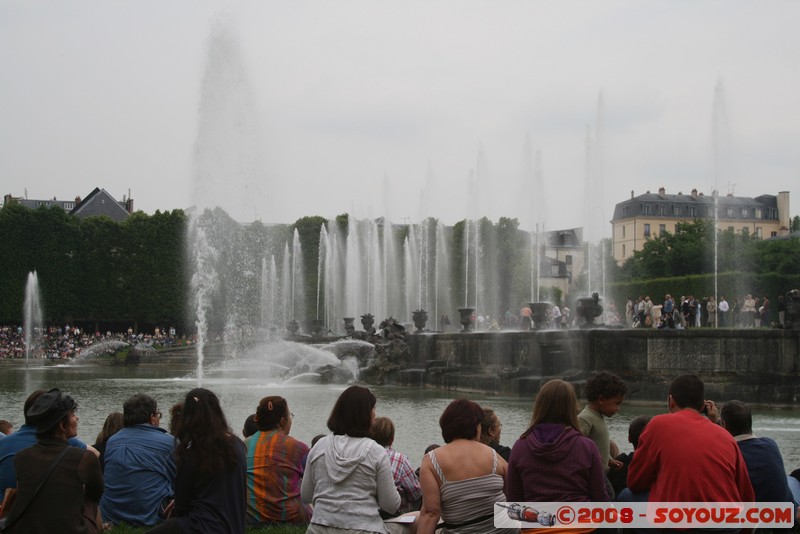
269, 405
196, 399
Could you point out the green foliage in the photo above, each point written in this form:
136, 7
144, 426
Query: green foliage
94, 270
690, 251
795, 224
308, 229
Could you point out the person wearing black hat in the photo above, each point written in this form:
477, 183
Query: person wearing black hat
58, 486
22, 439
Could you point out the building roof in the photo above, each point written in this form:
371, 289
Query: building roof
100, 202
632, 207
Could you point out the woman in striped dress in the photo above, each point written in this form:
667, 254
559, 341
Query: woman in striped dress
275, 465
462, 480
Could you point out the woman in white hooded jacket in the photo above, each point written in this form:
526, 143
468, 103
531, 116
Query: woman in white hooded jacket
348, 478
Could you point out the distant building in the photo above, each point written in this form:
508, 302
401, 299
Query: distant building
562, 253
649, 215
98, 202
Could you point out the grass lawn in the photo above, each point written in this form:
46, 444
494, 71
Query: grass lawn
124, 529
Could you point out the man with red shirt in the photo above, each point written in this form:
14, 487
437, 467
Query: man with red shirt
684, 457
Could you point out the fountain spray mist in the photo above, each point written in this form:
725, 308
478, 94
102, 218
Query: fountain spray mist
32, 316
224, 154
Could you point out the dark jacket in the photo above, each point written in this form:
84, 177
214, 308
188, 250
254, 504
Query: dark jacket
555, 463
59, 505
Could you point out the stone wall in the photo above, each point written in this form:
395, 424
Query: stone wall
758, 366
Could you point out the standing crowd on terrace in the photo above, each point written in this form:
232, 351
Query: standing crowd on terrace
705, 312
199, 476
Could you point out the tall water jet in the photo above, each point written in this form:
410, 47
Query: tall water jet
224, 153
443, 278
721, 155
353, 273
594, 204
321, 268
204, 285
286, 287
298, 279
409, 277
32, 322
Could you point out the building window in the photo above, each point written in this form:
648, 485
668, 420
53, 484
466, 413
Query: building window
731, 229
662, 210
711, 212
568, 259
624, 211
772, 213
758, 232
69, 205
771, 234
692, 211
745, 230
759, 213
623, 231
645, 209
623, 251
677, 210
745, 213
647, 230
662, 229
729, 212
676, 228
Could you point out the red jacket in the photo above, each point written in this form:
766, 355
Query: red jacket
684, 457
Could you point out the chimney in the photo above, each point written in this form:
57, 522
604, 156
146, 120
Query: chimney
694, 193
662, 191
631, 194
77, 200
129, 205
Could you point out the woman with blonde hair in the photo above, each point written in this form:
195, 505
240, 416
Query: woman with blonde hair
552, 461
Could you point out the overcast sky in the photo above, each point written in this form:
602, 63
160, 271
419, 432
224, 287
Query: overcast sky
283, 109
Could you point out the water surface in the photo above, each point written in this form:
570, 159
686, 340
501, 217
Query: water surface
100, 390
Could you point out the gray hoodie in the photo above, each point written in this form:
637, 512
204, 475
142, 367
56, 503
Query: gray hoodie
347, 480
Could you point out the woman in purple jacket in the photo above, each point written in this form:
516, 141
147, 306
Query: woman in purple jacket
552, 461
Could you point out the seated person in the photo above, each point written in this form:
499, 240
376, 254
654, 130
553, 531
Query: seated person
139, 467
619, 477
59, 485
405, 480
276, 463
22, 439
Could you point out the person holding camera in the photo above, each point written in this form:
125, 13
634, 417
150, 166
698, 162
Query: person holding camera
684, 456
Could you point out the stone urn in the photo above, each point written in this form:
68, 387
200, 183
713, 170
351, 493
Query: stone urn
420, 318
538, 314
466, 318
293, 327
587, 309
317, 327
349, 327
367, 321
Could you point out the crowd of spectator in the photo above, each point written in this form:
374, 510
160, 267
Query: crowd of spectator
57, 342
